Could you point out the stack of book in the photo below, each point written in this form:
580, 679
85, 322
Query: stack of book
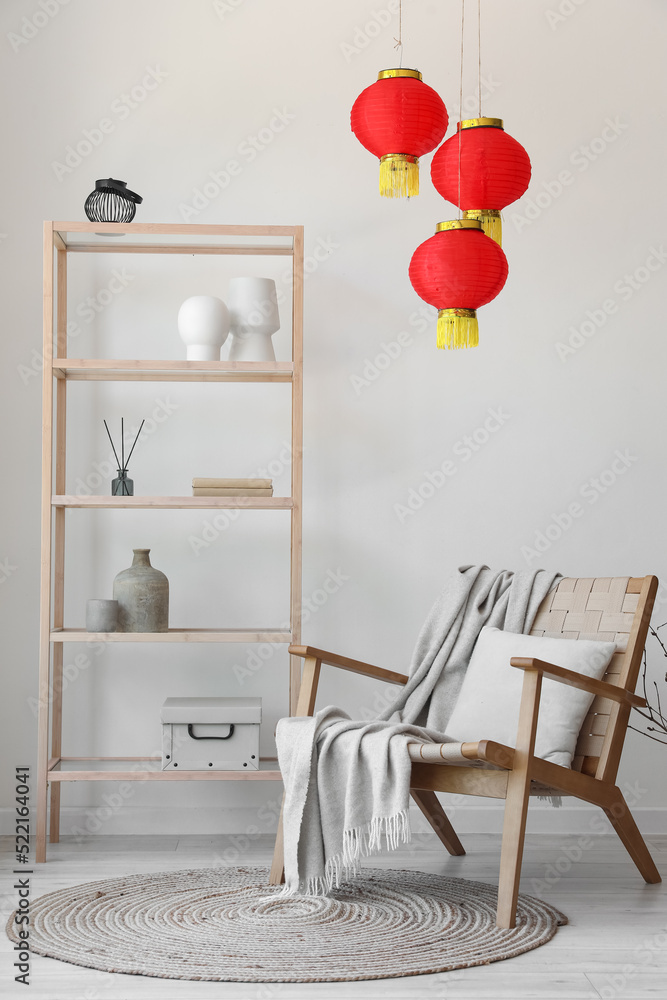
232, 487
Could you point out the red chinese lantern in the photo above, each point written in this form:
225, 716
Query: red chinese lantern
399, 119
458, 270
491, 171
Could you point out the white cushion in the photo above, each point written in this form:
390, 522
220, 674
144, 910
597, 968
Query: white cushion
488, 704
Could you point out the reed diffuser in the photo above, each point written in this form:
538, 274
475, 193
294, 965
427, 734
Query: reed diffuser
121, 486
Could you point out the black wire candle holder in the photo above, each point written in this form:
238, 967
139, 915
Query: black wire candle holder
111, 201
121, 486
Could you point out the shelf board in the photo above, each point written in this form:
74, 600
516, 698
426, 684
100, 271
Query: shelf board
173, 503
175, 635
122, 370
149, 769
114, 237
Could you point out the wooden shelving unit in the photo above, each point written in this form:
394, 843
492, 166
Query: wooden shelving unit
61, 239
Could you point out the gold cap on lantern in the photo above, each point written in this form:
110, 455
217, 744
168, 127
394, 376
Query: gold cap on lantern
388, 74
480, 123
458, 224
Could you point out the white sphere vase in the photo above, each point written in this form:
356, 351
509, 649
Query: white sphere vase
254, 318
203, 323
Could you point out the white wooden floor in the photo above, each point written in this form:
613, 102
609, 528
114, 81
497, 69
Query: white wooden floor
614, 947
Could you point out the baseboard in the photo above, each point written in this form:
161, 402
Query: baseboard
252, 822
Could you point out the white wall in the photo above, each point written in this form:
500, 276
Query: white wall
225, 69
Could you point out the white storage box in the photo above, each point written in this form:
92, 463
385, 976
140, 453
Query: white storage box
218, 734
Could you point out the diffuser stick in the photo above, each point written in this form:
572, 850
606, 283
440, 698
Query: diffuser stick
135, 440
112, 445
122, 442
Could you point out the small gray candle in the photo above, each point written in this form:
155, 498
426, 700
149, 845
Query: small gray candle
101, 615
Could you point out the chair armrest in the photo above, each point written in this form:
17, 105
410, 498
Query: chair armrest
345, 663
571, 677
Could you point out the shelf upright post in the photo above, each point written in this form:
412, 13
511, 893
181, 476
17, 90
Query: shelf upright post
296, 597
45, 569
59, 540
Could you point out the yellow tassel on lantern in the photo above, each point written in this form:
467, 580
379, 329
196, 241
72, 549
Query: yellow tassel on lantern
491, 222
399, 176
457, 328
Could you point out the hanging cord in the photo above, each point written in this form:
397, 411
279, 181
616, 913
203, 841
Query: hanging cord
399, 40
461, 100
479, 54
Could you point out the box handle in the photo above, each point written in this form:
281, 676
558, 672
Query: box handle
228, 736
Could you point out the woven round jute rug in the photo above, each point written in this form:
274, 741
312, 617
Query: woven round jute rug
228, 924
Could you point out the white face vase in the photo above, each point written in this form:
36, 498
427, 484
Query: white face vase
253, 310
203, 323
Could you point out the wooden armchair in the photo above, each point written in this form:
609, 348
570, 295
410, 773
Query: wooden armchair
617, 609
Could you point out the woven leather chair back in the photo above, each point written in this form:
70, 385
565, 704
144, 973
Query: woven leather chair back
606, 609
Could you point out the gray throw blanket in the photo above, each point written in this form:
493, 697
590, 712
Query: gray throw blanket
347, 784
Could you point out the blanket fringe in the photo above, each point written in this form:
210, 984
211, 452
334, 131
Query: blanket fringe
359, 842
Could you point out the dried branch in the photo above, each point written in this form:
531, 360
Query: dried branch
643, 733
653, 713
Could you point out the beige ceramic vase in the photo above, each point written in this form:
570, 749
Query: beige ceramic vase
142, 593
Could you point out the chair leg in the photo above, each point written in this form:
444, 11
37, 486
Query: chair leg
511, 855
429, 804
622, 820
277, 876
516, 801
